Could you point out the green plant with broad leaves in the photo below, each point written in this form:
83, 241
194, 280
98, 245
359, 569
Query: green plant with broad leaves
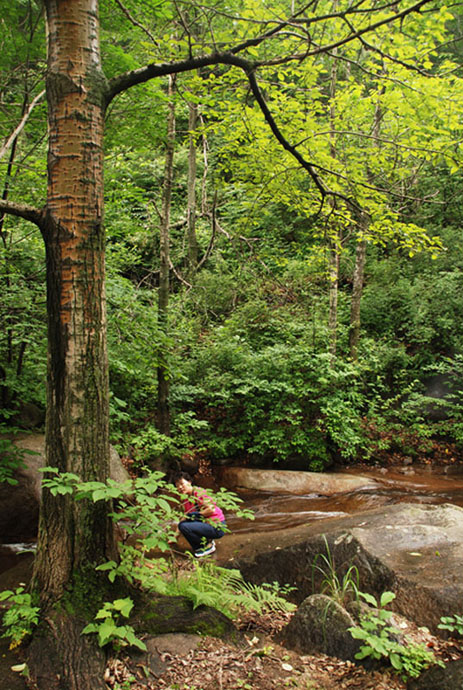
109, 630
452, 624
380, 640
21, 616
11, 456
150, 517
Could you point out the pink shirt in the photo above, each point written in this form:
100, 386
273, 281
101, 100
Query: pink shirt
201, 498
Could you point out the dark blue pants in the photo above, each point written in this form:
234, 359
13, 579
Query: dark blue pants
198, 533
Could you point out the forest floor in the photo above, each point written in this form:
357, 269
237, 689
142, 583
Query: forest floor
263, 664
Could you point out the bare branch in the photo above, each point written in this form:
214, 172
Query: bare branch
371, 27
135, 22
21, 125
178, 276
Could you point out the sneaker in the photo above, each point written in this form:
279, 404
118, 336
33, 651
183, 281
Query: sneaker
200, 553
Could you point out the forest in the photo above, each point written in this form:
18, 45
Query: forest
230, 235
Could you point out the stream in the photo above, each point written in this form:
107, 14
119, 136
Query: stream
396, 485
278, 511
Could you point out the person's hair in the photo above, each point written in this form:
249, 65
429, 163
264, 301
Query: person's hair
182, 475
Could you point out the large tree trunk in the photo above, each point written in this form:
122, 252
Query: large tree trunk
74, 536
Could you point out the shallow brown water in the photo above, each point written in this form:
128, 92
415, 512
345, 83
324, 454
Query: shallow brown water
277, 511
405, 485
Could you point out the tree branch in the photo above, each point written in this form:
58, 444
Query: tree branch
279, 136
25, 211
20, 127
135, 22
371, 27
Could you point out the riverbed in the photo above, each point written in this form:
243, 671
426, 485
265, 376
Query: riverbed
393, 485
279, 511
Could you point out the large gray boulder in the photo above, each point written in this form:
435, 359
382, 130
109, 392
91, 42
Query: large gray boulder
19, 503
416, 551
437, 678
321, 625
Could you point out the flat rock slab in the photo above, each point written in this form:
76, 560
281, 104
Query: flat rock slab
415, 551
292, 482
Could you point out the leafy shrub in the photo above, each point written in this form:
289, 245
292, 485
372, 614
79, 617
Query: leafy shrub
380, 640
109, 630
284, 401
452, 623
21, 617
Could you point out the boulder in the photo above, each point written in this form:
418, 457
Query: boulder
292, 482
448, 678
162, 647
19, 503
320, 625
416, 551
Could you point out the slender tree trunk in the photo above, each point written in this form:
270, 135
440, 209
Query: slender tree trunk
191, 210
360, 255
357, 290
163, 298
335, 242
333, 292
74, 536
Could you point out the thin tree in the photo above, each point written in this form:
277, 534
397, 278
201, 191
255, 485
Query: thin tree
164, 283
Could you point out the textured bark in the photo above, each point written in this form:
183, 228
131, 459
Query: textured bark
163, 297
61, 658
74, 534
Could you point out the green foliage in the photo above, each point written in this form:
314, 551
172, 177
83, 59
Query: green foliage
21, 616
151, 516
380, 640
109, 631
282, 401
452, 623
11, 459
204, 584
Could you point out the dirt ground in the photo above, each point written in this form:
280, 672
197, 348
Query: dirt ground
260, 663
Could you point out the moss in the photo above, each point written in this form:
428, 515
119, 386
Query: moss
165, 614
88, 591
97, 86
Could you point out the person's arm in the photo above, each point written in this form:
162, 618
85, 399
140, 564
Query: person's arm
206, 505
207, 510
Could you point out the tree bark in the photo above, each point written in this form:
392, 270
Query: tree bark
74, 536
